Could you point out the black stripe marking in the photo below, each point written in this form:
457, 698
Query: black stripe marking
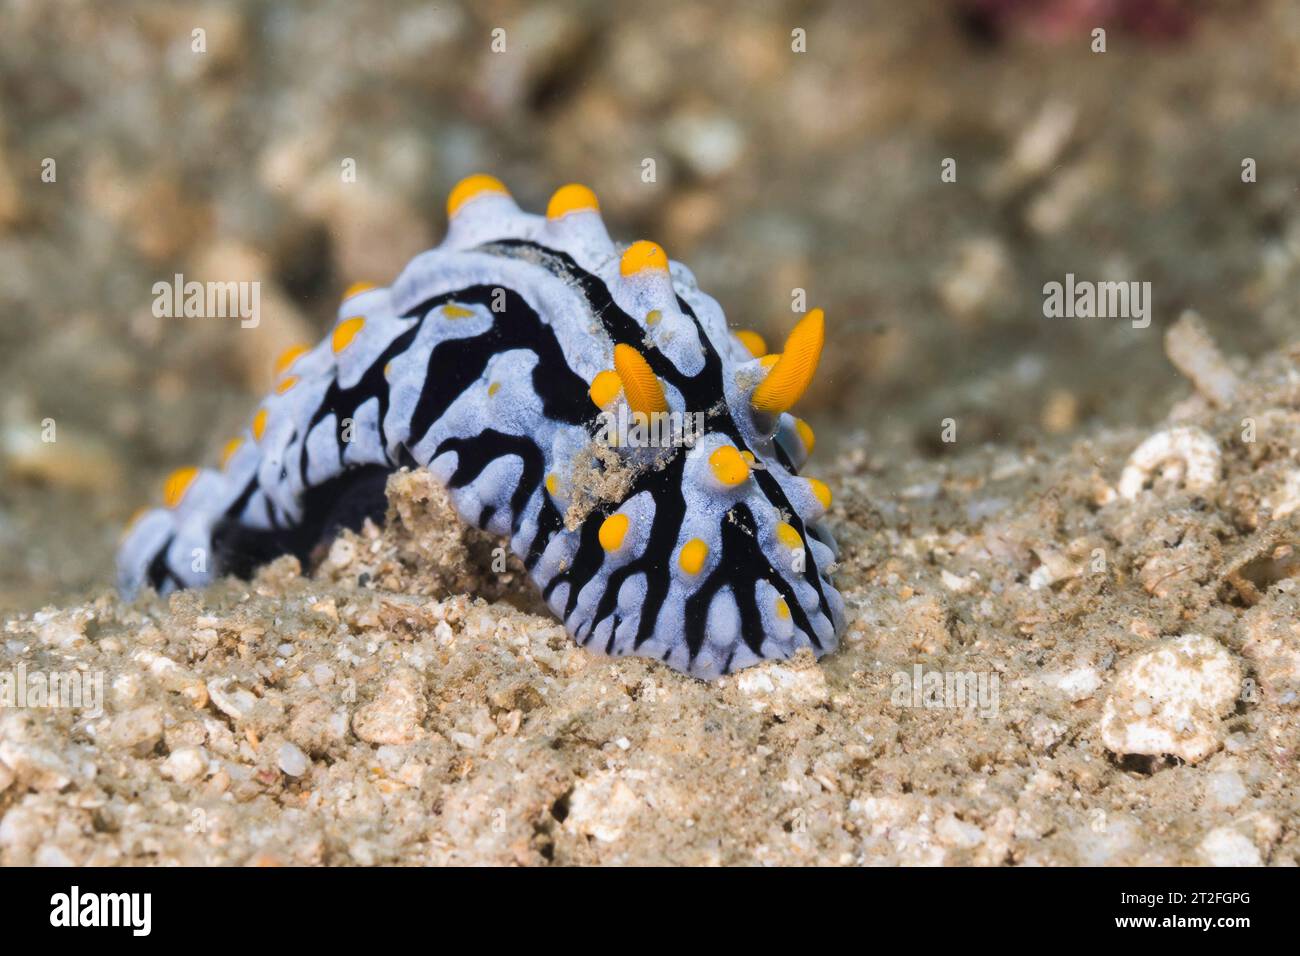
741, 566
475, 453
159, 571
454, 364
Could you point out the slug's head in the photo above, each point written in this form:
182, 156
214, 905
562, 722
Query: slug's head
773, 552
721, 539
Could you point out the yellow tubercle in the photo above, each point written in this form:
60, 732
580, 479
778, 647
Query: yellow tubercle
821, 491
641, 386
259, 424
752, 341
728, 466
346, 331
805, 434
357, 288
288, 357
453, 311
472, 187
782, 609
694, 553
553, 484
228, 450
653, 317
788, 536
612, 531
177, 483
605, 388
571, 198
643, 255
494, 388
793, 371
285, 384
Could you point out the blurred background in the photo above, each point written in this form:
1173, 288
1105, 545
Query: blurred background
775, 170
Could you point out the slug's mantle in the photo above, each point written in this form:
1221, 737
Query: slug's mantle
495, 361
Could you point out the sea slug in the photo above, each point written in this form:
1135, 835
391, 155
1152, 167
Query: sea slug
589, 403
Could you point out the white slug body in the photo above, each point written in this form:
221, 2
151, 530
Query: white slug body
496, 361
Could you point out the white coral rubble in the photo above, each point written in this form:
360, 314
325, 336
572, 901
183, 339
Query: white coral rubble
1185, 454
1170, 700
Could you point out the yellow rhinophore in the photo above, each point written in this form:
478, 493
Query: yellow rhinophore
643, 255
571, 198
177, 483
752, 341
346, 331
228, 450
471, 187
641, 386
612, 531
289, 356
605, 388
793, 371
821, 491
259, 424
729, 466
694, 553
357, 288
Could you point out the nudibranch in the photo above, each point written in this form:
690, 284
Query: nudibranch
520, 363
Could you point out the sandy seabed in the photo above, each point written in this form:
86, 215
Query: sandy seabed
1121, 611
